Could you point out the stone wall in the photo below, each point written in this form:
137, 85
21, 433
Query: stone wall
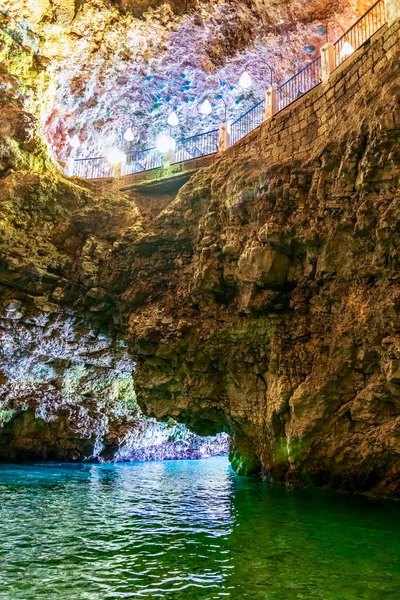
307, 125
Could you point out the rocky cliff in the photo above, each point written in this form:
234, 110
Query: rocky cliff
288, 275
262, 301
66, 387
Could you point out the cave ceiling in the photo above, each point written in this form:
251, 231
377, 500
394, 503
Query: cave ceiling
131, 63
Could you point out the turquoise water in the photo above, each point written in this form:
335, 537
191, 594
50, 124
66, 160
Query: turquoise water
188, 530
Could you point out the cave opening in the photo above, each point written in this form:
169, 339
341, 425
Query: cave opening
245, 298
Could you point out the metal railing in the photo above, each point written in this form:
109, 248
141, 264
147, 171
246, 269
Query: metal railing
92, 168
196, 146
299, 84
142, 160
247, 122
208, 143
362, 29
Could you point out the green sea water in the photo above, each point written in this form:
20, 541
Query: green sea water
188, 530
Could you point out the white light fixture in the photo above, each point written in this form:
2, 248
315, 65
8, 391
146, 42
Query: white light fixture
165, 143
346, 50
173, 119
115, 157
74, 142
245, 80
128, 135
205, 107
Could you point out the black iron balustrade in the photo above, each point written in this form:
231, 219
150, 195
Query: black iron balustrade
207, 143
197, 145
299, 84
247, 122
142, 160
92, 168
359, 33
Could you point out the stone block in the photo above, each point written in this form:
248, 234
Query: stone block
263, 265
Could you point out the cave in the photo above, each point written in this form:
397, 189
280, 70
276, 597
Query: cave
199, 299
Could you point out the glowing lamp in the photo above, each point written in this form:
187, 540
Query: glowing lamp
346, 50
128, 135
115, 157
205, 107
74, 142
245, 80
165, 143
173, 119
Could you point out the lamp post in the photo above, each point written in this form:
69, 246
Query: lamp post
74, 142
205, 107
128, 135
245, 79
323, 29
245, 82
271, 74
173, 119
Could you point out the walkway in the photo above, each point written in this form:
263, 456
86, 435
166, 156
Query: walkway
144, 166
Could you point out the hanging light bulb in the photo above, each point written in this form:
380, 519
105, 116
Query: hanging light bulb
346, 50
74, 142
115, 156
165, 143
173, 119
205, 107
128, 135
245, 80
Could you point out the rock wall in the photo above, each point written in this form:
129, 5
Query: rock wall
280, 321
262, 301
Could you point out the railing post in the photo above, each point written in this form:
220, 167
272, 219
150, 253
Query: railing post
118, 169
70, 166
123, 165
224, 140
169, 158
328, 63
392, 11
271, 102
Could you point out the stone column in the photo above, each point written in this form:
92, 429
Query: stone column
169, 158
392, 10
328, 63
70, 166
118, 169
271, 102
224, 140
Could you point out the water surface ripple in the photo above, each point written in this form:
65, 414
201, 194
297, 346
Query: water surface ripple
188, 530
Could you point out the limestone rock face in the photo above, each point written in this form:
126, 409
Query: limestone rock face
263, 300
29, 438
262, 265
289, 337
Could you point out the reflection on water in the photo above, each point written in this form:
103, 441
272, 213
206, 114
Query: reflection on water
188, 530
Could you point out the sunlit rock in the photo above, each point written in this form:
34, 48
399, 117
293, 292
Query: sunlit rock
259, 300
